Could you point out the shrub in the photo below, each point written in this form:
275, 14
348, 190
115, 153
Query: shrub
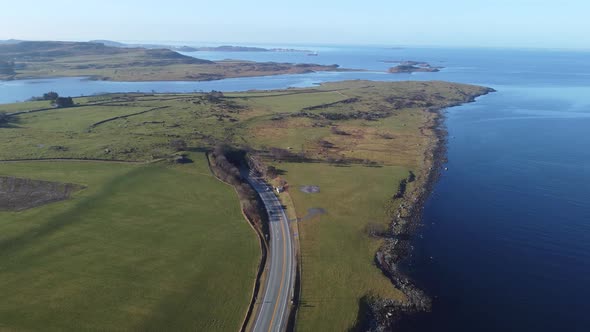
64, 102
229, 172
51, 96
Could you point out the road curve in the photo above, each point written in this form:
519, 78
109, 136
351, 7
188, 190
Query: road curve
275, 298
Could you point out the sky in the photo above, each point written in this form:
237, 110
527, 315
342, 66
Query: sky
458, 23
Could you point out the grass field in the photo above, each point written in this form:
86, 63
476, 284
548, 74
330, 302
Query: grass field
337, 253
374, 129
356, 140
144, 247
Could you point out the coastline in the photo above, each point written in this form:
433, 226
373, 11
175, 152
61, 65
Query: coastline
99, 61
203, 78
381, 314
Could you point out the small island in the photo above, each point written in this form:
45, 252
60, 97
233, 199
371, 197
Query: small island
99, 61
411, 67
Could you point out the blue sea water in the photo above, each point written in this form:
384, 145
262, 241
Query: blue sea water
506, 239
506, 242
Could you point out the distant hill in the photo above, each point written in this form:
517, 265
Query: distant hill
109, 43
125, 45
107, 60
56, 50
35, 49
184, 48
222, 48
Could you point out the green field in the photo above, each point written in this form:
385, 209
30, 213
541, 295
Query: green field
144, 247
337, 253
181, 247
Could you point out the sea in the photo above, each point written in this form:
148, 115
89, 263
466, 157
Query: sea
505, 241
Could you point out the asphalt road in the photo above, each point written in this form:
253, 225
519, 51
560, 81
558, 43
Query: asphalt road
277, 294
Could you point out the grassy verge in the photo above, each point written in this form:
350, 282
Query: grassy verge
151, 247
224, 163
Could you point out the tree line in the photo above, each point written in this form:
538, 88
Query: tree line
55, 99
224, 161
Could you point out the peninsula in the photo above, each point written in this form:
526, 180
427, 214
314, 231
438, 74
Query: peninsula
24, 60
355, 160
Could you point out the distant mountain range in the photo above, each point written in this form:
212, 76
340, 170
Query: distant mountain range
51, 50
222, 48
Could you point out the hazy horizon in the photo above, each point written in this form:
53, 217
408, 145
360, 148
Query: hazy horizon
279, 44
455, 23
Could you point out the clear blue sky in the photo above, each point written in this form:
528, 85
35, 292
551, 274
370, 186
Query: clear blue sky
495, 23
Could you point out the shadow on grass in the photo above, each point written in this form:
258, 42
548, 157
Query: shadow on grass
9, 121
199, 149
9, 126
279, 172
303, 304
66, 218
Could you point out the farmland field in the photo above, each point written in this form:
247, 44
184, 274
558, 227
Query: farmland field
143, 247
337, 253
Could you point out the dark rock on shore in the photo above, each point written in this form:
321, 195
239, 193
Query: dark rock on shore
385, 313
380, 314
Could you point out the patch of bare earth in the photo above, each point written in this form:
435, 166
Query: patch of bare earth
313, 212
17, 194
310, 189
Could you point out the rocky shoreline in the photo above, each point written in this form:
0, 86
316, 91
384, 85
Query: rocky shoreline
383, 314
